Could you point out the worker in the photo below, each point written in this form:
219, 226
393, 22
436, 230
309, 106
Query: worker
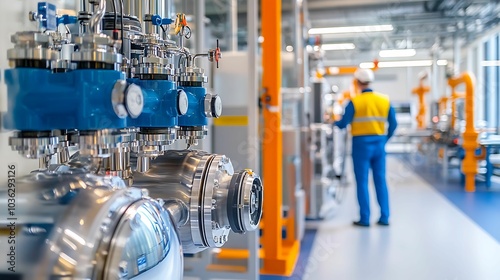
368, 114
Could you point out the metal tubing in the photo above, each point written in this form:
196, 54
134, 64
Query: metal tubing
178, 210
232, 22
95, 20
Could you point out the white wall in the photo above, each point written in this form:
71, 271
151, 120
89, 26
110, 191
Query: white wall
398, 83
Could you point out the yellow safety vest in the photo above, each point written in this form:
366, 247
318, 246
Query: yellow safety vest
370, 114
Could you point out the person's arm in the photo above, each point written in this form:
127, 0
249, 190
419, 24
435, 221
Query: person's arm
347, 117
393, 123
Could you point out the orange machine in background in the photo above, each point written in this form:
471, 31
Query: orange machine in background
470, 144
421, 91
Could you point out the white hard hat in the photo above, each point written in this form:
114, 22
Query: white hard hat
365, 76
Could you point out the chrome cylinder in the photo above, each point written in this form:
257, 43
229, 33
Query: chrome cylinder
70, 224
204, 188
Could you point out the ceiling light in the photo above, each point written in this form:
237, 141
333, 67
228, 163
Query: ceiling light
490, 63
351, 29
336, 47
407, 63
289, 48
398, 53
442, 62
367, 65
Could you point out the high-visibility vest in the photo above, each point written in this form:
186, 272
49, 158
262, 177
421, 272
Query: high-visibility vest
371, 110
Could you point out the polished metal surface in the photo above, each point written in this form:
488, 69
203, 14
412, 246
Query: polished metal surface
192, 133
213, 106
34, 147
144, 222
75, 225
205, 188
153, 142
329, 153
101, 143
192, 74
31, 45
97, 48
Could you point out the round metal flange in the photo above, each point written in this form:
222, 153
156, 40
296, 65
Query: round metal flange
215, 229
101, 143
153, 142
34, 147
213, 106
195, 132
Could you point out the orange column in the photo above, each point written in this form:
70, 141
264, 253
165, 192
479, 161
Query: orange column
279, 255
272, 142
469, 163
420, 91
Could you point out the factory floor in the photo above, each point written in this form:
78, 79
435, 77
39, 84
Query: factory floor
437, 231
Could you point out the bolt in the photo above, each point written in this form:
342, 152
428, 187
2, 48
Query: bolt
123, 267
216, 183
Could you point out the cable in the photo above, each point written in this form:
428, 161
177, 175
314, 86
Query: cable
121, 24
116, 14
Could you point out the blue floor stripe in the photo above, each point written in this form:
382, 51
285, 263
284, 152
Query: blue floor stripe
483, 206
305, 251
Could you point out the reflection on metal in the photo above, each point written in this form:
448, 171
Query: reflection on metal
204, 188
126, 85
329, 153
76, 225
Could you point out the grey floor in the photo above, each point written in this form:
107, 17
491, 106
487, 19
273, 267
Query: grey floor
429, 238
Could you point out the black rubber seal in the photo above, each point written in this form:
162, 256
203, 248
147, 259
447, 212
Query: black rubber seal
233, 196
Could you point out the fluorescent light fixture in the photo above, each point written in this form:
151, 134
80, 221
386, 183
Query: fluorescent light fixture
398, 53
442, 62
490, 63
408, 63
367, 65
351, 29
337, 47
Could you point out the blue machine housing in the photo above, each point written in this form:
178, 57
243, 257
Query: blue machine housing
160, 104
40, 100
195, 115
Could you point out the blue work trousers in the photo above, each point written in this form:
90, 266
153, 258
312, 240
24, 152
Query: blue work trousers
369, 152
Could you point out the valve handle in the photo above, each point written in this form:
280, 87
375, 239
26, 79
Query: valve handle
217, 53
158, 20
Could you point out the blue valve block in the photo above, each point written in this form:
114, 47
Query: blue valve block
160, 104
195, 115
40, 100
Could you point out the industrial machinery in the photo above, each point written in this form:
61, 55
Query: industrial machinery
120, 91
329, 149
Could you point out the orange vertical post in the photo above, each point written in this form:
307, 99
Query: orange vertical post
420, 91
469, 163
279, 255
